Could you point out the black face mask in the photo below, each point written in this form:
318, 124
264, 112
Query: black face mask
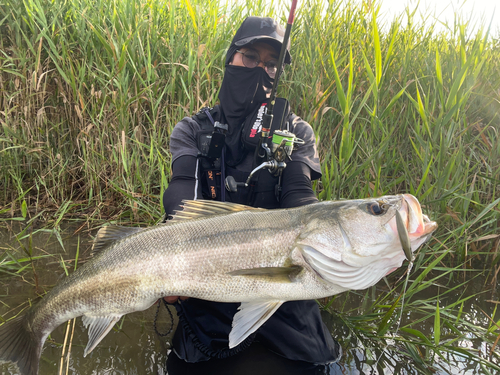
242, 91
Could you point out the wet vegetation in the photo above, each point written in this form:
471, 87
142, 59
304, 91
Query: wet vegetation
91, 89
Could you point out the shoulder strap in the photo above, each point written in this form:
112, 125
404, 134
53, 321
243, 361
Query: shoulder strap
212, 168
206, 113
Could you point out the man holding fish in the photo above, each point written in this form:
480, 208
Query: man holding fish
295, 335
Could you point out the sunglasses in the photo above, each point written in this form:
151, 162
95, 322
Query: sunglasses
251, 59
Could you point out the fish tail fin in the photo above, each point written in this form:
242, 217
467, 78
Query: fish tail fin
20, 345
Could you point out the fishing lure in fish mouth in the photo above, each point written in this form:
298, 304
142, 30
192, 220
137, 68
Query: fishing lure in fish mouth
404, 237
402, 225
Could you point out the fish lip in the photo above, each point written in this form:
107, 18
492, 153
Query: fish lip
412, 226
418, 224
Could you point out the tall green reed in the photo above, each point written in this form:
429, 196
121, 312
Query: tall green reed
81, 119
90, 91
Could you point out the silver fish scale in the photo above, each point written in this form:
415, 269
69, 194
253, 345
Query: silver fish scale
172, 259
193, 258
222, 244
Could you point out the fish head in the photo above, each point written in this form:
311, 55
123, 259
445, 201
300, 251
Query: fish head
371, 227
361, 241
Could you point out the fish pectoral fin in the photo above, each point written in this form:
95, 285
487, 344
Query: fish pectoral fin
99, 328
110, 234
278, 274
194, 209
341, 273
250, 316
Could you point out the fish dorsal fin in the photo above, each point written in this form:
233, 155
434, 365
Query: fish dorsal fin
202, 208
278, 274
250, 316
99, 328
110, 234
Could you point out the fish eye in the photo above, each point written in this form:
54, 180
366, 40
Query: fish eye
375, 208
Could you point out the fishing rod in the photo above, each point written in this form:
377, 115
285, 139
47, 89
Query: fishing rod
267, 119
272, 159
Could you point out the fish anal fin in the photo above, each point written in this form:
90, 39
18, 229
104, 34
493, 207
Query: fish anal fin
251, 316
98, 327
278, 274
195, 209
110, 234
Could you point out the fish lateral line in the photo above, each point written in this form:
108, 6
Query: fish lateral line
191, 209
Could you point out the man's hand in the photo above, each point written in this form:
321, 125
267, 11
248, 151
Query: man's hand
173, 299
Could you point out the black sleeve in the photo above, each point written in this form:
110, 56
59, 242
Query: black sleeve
306, 153
183, 185
296, 186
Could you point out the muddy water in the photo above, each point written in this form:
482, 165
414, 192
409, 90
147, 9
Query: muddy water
133, 347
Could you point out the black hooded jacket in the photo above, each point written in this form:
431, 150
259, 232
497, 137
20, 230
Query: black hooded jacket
296, 330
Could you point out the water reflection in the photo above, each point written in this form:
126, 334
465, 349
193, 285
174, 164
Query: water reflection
363, 355
133, 347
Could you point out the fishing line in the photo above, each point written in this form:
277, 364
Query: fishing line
393, 336
408, 270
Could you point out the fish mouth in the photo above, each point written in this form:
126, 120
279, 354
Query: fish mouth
413, 227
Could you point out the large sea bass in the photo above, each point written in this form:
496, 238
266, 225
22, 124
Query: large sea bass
229, 253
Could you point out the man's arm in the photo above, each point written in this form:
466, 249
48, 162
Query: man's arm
304, 167
185, 181
296, 186
184, 184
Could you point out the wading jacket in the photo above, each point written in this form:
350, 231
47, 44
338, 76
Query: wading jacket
296, 330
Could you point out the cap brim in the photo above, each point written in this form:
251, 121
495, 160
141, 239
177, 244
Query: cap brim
265, 39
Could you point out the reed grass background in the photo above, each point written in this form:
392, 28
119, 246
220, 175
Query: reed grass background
91, 89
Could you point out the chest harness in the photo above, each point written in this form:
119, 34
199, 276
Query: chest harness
223, 155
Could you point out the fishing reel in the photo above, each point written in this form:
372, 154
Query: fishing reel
276, 156
282, 145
